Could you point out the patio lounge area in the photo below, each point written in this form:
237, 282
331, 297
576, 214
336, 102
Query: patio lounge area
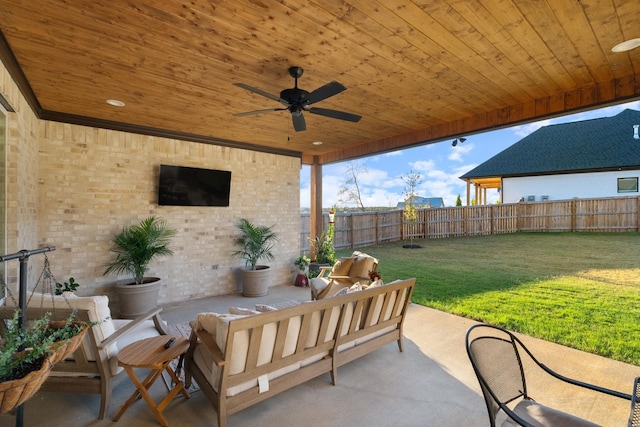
430, 384
96, 97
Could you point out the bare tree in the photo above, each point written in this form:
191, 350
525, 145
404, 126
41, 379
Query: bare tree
349, 191
411, 181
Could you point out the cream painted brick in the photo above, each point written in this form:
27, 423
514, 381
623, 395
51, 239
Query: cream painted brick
75, 187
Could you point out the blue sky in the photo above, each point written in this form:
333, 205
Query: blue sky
440, 165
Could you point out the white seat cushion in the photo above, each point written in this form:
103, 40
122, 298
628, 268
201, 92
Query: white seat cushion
146, 329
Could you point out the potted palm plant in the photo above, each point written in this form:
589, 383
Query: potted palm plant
254, 243
135, 247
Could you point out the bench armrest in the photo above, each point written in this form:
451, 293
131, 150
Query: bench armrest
207, 340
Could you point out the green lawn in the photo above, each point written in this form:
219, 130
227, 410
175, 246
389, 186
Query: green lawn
577, 289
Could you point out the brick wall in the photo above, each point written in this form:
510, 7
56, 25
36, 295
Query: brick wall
21, 179
82, 185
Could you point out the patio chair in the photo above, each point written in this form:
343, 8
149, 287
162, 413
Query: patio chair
93, 367
344, 273
496, 357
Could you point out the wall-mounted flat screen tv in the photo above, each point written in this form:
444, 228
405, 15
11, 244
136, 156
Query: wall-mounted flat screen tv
185, 186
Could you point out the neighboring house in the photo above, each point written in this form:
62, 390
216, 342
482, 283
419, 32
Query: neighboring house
589, 159
425, 202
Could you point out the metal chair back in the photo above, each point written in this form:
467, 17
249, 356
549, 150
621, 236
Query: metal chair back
496, 361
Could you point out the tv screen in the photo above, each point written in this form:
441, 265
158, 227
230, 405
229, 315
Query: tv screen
185, 186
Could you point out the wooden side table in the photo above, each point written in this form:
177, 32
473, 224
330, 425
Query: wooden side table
151, 354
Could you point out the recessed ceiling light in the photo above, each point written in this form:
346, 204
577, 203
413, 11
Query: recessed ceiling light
626, 45
115, 102
317, 142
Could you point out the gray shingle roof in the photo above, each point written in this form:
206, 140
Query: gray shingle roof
591, 145
434, 202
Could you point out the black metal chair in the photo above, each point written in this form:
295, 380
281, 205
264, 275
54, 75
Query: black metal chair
496, 356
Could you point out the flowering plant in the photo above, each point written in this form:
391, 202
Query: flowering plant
302, 262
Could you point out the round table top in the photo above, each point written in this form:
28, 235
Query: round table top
150, 352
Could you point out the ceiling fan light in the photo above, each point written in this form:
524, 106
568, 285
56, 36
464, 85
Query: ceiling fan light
626, 45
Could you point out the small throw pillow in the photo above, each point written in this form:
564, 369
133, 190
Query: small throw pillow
240, 310
342, 267
362, 265
263, 308
208, 322
342, 291
376, 283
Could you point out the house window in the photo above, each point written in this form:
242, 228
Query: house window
627, 185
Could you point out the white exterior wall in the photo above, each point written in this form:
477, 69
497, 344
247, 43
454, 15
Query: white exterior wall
563, 187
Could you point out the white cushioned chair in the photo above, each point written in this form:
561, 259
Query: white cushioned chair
344, 273
93, 367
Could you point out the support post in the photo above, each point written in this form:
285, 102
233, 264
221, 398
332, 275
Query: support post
316, 221
468, 192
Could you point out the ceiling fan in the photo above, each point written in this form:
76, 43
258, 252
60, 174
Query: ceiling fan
297, 100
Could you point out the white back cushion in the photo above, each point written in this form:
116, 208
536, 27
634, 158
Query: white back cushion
97, 307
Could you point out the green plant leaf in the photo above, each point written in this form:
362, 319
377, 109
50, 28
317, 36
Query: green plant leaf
137, 245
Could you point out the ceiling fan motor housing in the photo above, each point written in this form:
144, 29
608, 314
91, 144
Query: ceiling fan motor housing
294, 97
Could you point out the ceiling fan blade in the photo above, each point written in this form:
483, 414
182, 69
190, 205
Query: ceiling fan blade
299, 123
262, 92
334, 114
253, 113
323, 92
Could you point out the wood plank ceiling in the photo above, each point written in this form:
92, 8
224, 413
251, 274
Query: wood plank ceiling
418, 71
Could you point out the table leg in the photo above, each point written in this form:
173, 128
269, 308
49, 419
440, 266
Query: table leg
177, 381
142, 391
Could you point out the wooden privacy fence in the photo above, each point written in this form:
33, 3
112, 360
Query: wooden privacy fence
355, 230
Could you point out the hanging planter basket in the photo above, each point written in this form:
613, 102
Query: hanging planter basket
15, 392
62, 349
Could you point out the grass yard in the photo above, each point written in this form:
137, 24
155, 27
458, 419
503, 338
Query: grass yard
581, 290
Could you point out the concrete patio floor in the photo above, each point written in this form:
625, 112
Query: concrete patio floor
430, 384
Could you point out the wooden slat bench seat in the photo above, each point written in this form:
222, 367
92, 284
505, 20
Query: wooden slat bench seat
239, 361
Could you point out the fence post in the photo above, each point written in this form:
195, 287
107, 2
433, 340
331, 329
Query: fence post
425, 219
464, 219
353, 238
491, 230
574, 212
